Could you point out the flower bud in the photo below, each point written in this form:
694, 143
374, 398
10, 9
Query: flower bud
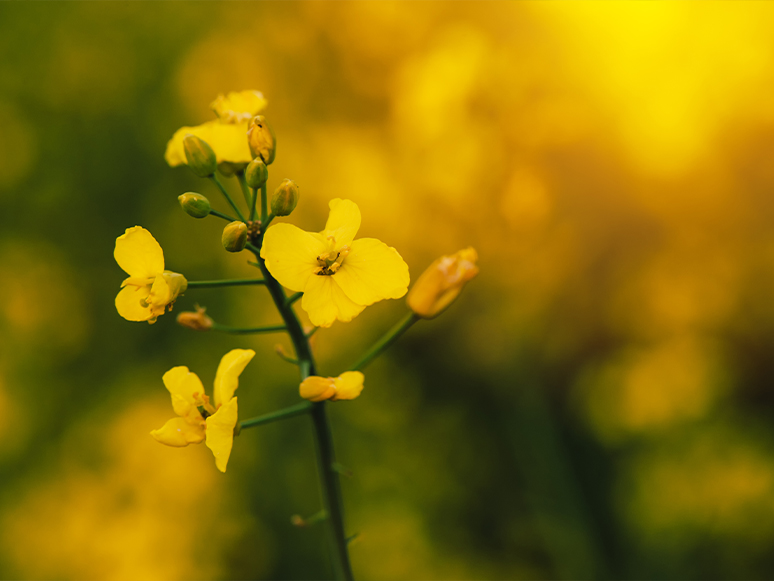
197, 321
441, 283
285, 198
201, 159
256, 173
261, 139
234, 236
194, 204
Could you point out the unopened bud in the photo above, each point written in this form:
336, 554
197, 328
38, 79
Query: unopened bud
261, 139
285, 198
256, 173
194, 204
234, 236
201, 159
229, 168
197, 321
441, 283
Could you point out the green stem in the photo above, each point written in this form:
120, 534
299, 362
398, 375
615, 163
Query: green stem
222, 215
253, 202
248, 331
245, 189
265, 224
289, 412
330, 487
216, 181
388, 339
293, 298
227, 282
264, 212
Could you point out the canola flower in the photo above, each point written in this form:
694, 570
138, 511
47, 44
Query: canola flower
150, 289
226, 135
348, 385
338, 275
441, 283
198, 420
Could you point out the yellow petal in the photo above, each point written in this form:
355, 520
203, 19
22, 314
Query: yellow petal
220, 432
291, 255
227, 140
138, 254
324, 302
182, 385
227, 377
160, 294
178, 432
315, 388
238, 106
372, 271
128, 303
343, 221
348, 385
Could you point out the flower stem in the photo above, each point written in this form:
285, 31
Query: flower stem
388, 339
227, 282
289, 412
253, 202
293, 298
222, 215
216, 181
264, 203
330, 487
248, 331
245, 189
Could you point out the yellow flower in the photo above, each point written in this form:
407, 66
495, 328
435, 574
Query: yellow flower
150, 289
440, 284
338, 276
198, 419
227, 135
348, 385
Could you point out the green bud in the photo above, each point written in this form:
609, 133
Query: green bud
194, 204
285, 198
201, 158
256, 173
234, 236
261, 139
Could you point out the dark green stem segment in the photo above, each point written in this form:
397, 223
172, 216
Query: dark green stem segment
264, 206
222, 215
265, 224
388, 339
289, 412
223, 190
293, 298
248, 331
226, 282
253, 202
245, 189
329, 479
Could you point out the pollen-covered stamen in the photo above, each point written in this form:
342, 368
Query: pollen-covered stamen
330, 262
202, 403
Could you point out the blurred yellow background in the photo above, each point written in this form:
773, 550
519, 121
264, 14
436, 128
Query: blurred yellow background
597, 404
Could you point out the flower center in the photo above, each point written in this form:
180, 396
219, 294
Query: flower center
329, 262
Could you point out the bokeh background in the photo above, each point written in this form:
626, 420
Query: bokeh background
598, 402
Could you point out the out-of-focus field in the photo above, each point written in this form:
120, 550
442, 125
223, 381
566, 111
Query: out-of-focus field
598, 402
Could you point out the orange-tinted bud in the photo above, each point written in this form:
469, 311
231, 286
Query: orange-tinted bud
441, 283
197, 321
261, 139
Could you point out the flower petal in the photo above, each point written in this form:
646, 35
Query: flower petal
372, 271
138, 254
178, 432
128, 303
343, 221
291, 255
316, 388
324, 302
227, 140
348, 385
227, 377
182, 385
220, 432
238, 106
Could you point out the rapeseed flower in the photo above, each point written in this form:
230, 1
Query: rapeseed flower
348, 385
150, 289
226, 135
339, 276
198, 420
442, 282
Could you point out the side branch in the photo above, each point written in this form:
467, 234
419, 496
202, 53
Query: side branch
248, 331
226, 282
388, 339
288, 412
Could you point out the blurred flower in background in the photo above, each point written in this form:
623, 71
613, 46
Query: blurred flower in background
596, 404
